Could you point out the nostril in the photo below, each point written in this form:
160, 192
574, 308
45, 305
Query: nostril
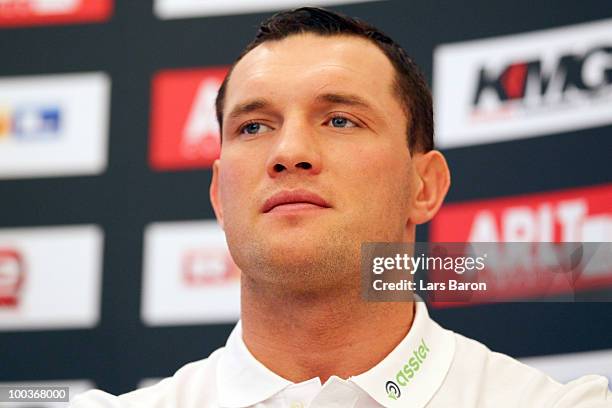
278, 167
304, 165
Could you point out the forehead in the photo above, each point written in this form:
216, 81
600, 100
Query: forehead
304, 64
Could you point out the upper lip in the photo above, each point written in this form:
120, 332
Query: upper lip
293, 196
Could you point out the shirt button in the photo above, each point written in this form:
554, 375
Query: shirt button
297, 405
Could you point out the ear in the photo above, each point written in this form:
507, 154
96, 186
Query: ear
214, 193
432, 183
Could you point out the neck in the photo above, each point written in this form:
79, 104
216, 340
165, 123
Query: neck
300, 336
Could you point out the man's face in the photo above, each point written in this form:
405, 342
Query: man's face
319, 115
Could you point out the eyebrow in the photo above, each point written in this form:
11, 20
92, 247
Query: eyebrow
343, 99
248, 107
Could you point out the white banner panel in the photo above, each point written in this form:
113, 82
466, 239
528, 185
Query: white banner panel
168, 9
50, 277
189, 276
54, 125
75, 387
568, 367
523, 85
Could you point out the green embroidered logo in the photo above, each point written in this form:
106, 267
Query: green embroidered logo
408, 371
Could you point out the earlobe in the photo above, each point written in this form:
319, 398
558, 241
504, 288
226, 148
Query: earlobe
214, 193
433, 181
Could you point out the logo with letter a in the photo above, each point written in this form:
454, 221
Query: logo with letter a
184, 128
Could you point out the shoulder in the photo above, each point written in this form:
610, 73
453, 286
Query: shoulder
479, 377
177, 390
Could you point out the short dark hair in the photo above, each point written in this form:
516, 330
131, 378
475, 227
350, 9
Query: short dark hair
410, 84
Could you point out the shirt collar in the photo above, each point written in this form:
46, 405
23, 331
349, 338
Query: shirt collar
410, 375
241, 379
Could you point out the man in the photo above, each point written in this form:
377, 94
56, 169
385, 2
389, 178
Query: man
327, 143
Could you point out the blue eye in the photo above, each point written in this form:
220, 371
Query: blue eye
341, 122
254, 128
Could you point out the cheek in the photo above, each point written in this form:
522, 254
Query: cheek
233, 185
380, 187
380, 171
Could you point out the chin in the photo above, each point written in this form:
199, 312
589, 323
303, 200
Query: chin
290, 252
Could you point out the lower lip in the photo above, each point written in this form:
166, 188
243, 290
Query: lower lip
295, 207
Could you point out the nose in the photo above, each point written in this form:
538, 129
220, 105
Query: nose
296, 150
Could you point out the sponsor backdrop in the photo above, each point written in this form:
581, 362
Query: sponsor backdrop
112, 268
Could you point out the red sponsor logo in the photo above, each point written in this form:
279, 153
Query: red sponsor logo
19, 13
12, 275
573, 215
184, 128
203, 267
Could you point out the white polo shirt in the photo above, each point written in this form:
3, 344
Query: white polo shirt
431, 367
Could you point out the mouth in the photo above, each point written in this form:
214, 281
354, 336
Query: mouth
294, 200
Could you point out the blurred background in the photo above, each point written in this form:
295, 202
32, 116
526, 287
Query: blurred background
113, 272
